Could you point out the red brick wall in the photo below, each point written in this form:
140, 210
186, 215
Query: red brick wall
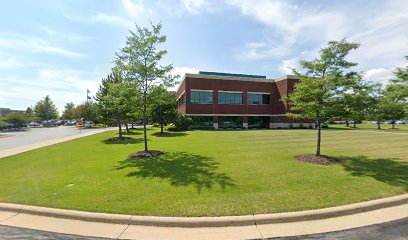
277, 89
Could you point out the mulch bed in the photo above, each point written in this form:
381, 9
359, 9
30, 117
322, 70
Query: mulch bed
117, 139
146, 154
322, 159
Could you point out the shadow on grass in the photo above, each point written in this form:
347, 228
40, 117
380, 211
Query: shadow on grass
124, 140
180, 169
169, 134
386, 170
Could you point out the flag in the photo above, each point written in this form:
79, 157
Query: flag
87, 91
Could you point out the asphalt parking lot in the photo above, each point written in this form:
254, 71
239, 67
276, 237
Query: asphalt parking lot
20, 138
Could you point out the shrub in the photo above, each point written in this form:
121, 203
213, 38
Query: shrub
171, 128
183, 123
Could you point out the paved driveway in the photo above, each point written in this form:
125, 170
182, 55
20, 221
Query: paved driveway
35, 135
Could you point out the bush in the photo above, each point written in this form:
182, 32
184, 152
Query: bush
172, 128
183, 122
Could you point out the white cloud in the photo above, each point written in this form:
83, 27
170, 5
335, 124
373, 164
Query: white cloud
378, 75
288, 24
189, 7
194, 6
287, 65
63, 85
181, 71
37, 45
62, 35
133, 8
103, 18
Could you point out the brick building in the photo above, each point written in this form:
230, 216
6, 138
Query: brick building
222, 100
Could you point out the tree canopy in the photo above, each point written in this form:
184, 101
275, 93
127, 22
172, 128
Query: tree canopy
323, 78
139, 61
45, 109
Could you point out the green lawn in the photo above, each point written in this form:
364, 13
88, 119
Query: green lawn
369, 126
209, 173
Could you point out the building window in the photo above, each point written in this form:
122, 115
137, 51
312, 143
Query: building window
230, 122
198, 97
229, 98
181, 100
202, 122
258, 98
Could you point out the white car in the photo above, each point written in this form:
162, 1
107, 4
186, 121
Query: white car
401, 122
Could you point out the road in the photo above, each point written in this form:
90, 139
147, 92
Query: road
396, 230
34, 135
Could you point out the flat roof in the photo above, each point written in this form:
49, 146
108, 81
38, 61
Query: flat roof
243, 78
231, 74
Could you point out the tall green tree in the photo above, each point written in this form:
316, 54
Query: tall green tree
69, 111
87, 111
117, 100
164, 109
17, 118
398, 87
323, 78
30, 114
355, 102
140, 62
45, 109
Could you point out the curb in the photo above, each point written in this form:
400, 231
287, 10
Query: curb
195, 222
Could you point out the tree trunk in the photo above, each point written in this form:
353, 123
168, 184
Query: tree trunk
145, 117
354, 124
393, 125
161, 128
120, 131
318, 138
132, 125
347, 123
127, 128
378, 124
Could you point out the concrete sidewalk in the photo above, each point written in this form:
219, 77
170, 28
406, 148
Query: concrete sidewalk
28, 147
122, 226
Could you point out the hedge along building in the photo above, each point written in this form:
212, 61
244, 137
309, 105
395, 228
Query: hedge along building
223, 100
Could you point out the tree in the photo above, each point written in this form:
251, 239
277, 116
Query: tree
314, 96
355, 103
30, 115
69, 112
45, 109
398, 86
18, 119
140, 62
164, 107
391, 109
86, 111
116, 100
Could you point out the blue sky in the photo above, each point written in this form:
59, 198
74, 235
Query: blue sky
61, 48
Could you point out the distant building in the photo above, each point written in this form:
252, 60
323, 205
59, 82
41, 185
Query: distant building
6, 111
224, 100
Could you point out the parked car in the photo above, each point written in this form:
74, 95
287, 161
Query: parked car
401, 122
389, 122
88, 124
374, 122
340, 122
33, 124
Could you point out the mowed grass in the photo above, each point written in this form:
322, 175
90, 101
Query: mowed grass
209, 173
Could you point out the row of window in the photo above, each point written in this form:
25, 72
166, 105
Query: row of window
199, 97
